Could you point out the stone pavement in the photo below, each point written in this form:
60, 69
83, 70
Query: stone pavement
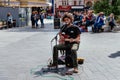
24, 51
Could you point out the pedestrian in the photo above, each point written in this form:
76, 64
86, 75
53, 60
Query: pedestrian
32, 19
69, 36
36, 18
42, 19
9, 20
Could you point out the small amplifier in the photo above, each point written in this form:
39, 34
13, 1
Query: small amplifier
80, 60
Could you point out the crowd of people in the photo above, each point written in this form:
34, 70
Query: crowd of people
88, 20
35, 17
96, 22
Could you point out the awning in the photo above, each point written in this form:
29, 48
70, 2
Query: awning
25, 4
36, 4
14, 3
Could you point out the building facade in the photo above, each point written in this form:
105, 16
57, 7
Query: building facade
68, 2
67, 5
23, 3
89, 3
20, 9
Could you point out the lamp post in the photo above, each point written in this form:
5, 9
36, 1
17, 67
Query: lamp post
53, 8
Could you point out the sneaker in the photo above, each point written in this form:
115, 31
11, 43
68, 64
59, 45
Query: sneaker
75, 70
69, 73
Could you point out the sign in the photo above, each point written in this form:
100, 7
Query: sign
64, 8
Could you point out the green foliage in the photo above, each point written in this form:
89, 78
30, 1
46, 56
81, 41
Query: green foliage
105, 7
96, 7
115, 8
118, 20
118, 2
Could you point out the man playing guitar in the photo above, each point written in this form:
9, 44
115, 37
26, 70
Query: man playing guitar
69, 35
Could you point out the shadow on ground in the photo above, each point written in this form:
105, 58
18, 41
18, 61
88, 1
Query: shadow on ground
59, 73
115, 55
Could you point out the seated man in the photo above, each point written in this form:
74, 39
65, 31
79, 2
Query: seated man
100, 21
69, 35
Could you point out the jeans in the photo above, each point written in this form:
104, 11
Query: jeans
111, 25
36, 22
98, 26
67, 48
42, 22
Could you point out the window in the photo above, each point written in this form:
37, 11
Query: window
63, 2
75, 2
67, 2
79, 2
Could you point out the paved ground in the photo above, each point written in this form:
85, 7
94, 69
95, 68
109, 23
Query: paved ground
24, 51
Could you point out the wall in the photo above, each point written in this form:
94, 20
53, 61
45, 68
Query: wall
15, 13
5, 10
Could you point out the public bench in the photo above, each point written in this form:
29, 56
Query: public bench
3, 24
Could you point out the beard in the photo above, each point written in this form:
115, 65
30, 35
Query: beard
68, 24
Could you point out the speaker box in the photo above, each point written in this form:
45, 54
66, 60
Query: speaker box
80, 60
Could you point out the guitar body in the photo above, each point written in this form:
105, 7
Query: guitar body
62, 38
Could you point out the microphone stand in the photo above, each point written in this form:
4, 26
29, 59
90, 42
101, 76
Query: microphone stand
55, 38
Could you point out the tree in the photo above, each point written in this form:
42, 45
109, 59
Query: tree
115, 7
103, 6
96, 7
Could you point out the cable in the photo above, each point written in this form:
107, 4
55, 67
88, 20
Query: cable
33, 70
42, 67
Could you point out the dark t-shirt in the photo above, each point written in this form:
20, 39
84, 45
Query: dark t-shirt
72, 31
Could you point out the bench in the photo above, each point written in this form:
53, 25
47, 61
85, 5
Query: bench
3, 24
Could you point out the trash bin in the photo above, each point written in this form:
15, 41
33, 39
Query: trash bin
56, 23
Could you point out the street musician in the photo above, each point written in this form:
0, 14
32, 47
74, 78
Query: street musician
69, 41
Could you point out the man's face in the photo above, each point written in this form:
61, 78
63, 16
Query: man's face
67, 21
89, 13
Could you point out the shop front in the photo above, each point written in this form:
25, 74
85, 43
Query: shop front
20, 9
64, 8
